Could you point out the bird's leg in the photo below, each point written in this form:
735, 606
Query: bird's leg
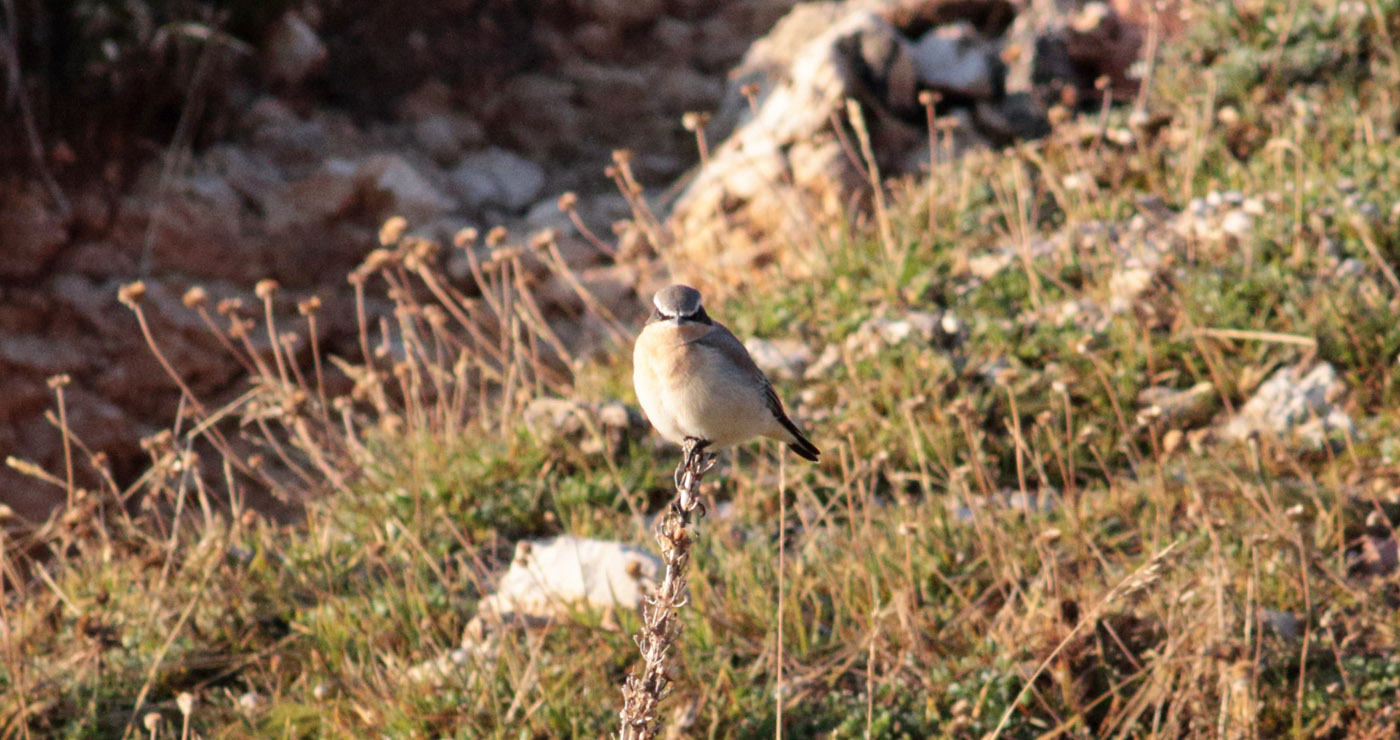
695, 462
692, 450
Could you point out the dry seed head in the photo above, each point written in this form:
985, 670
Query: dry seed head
60, 380
496, 236
749, 90
502, 256
694, 120
151, 721
265, 289
195, 297
158, 441
392, 230
435, 316
377, 260
928, 98
131, 294
310, 306
424, 249
229, 306
6, 513
185, 701
412, 260
543, 238
1101, 83
568, 201
464, 238
255, 461
622, 157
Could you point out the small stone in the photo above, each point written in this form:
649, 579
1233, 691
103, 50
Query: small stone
1293, 405
402, 190
496, 178
293, 50
956, 59
1284, 624
1237, 223
1350, 267
780, 358
249, 702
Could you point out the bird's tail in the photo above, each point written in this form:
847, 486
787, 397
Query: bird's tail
804, 448
800, 444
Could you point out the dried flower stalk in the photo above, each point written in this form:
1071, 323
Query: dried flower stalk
660, 628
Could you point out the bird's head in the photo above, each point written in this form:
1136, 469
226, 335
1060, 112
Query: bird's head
681, 304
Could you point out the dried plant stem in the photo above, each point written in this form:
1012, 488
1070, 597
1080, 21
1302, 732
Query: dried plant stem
641, 694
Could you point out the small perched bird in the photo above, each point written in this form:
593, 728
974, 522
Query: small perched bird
698, 384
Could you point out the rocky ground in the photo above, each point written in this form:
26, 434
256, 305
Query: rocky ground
306, 165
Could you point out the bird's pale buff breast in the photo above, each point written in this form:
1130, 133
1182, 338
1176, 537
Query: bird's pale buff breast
688, 390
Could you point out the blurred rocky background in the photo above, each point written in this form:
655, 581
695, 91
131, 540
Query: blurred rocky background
214, 144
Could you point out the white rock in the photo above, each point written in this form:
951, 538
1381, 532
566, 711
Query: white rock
249, 702
897, 331
1126, 284
956, 59
780, 358
496, 178
1237, 223
548, 578
1302, 408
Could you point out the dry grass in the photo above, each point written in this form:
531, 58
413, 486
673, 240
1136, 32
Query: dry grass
1000, 541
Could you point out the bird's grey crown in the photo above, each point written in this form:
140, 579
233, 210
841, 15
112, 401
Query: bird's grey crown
677, 301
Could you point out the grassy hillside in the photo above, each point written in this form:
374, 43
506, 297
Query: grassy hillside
1005, 532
